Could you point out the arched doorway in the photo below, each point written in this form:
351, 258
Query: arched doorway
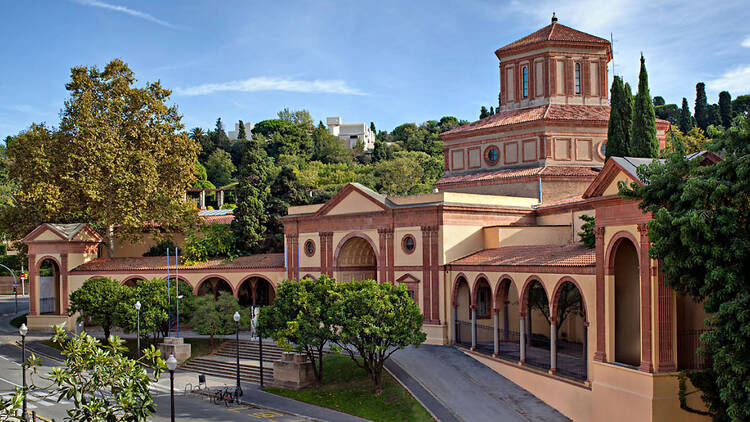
462, 312
214, 286
571, 336
536, 325
132, 281
627, 304
256, 291
508, 314
485, 334
49, 287
356, 260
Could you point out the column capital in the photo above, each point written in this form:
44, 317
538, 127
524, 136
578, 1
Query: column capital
643, 230
385, 230
429, 228
599, 232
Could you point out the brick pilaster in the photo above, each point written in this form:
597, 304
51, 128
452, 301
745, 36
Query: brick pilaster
600, 355
645, 269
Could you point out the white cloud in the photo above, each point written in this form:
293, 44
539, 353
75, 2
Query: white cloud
263, 83
735, 80
746, 42
128, 11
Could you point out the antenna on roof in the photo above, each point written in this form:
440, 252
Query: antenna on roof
554, 18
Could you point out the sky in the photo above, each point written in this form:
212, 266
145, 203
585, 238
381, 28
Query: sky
384, 61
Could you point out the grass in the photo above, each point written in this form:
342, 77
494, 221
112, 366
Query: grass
198, 346
17, 321
347, 388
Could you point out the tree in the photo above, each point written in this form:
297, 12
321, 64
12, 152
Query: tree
686, 119
214, 315
210, 241
618, 129
400, 176
483, 113
643, 142
700, 231
241, 131
118, 159
285, 191
668, 112
285, 137
250, 217
219, 168
701, 106
740, 105
725, 108
102, 383
375, 320
329, 148
97, 301
381, 152
300, 118
492, 111
304, 317
587, 231
219, 137
372, 127
201, 178
659, 101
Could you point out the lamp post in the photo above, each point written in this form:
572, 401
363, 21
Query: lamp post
23, 330
171, 365
236, 317
260, 347
138, 325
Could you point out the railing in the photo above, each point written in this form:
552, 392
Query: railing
463, 333
47, 305
688, 343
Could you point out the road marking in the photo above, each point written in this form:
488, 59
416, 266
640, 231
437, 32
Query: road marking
10, 382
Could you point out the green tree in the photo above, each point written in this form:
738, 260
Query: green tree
375, 320
701, 232
210, 241
659, 101
725, 108
643, 142
740, 105
400, 176
219, 168
215, 316
483, 113
618, 129
686, 119
285, 191
668, 112
372, 127
285, 137
492, 111
587, 231
329, 148
250, 217
201, 178
304, 317
97, 301
701, 106
241, 131
300, 118
219, 137
118, 159
381, 152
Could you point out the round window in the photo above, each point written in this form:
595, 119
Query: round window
602, 149
309, 248
492, 155
408, 243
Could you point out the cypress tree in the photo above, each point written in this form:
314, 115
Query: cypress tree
643, 142
250, 216
492, 111
483, 113
372, 127
701, 106
241, 132
686, 119
619, 121
725, 108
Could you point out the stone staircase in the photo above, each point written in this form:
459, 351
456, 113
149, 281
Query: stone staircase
223, 363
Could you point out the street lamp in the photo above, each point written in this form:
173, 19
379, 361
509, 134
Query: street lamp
238, 390
260, 345
23, 330
171, 365
138, 325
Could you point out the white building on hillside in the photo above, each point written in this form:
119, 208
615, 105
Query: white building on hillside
232, 134
350, 133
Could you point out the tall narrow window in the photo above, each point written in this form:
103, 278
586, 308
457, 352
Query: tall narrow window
578, 78
525, 82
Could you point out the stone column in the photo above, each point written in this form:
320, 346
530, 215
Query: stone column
522, 343
496, 327
600, 355
455, 323
202, 200
665, 322
220, 198
552, 347
33, 286
586, 349
426, 285
473, 327
506, 322
645, 269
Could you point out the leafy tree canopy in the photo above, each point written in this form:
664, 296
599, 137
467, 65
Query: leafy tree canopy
219, 168
215, 316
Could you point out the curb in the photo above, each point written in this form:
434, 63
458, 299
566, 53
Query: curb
246, 403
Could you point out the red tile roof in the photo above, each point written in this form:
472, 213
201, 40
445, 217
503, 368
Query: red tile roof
572, 255
554, 32
274, 260
507, 174
548, 112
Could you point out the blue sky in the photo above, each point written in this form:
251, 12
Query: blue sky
384, 61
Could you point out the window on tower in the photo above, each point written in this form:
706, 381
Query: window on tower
525, 82
578, 78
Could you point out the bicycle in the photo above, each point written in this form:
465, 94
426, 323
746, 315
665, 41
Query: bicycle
220, 394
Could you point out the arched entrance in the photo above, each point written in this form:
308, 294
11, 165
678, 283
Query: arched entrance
627, 304
484, 330
536, 334
49, 287
213, 286
256, 291
356, 260
569, 315
132, 281
462, 311
506, 298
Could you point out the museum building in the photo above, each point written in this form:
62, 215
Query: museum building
492, 258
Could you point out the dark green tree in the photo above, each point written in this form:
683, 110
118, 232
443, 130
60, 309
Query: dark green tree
241, 131
483, 113
219, 136
219, 168
701, 106
618, 130
701, 232
659, 101
328, 148
96, 301
587, 231
643, 142
686, 119
740, 105
214, 315
492, 111
285, 191
381, 152
250, 217
285, 137
372, 127
725, 108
